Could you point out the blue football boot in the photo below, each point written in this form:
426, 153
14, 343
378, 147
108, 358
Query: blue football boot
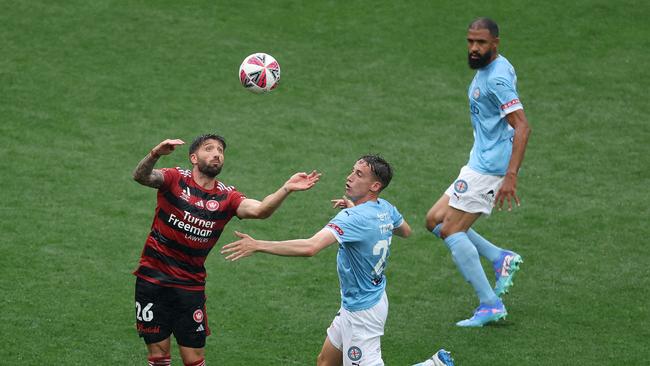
485, 314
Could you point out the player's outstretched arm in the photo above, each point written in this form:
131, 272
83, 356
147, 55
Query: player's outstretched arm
254, 209
247, 246
144, 172
508, 190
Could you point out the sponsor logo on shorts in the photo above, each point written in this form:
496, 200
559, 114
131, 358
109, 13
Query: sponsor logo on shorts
477, 93
147, 330
354, 353
460, 186
212, 205
200, 328
335, 227
489, 196
198, 315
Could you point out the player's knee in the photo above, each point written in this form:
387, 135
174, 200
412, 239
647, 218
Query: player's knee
432, 220
199, 362
192, 356
159, 354
159, 349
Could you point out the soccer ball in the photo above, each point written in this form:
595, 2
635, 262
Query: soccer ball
259, 73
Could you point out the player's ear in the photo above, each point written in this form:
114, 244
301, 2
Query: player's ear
375, 187
194, 159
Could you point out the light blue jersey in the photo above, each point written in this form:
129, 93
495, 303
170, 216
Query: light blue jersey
364, 233
492, 95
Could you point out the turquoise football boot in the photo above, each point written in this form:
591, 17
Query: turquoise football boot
485, 314
505, 269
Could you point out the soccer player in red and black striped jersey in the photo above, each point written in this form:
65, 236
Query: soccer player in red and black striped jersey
193, 208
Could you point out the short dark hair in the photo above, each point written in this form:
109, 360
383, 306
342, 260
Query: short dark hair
380, 168
485, 23
196, 144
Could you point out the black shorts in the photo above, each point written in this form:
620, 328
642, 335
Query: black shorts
161, 311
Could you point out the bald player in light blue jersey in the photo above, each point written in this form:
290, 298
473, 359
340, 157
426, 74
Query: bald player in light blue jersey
364, 230
490, 177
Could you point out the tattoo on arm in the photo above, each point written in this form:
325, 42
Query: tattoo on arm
146, 175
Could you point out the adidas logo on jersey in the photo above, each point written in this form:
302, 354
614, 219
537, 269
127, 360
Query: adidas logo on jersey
224, 187
184, 172
200, 204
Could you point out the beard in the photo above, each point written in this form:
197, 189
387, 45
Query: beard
480, 62
209, 170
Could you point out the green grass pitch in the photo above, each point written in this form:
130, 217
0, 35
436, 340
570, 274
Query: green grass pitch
88, 87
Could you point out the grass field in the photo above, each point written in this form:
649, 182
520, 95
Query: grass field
87, 88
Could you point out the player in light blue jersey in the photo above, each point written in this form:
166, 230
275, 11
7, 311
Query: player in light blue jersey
490, 177
363, 230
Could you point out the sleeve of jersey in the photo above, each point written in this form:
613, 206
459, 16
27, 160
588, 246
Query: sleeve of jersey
505, 93
169, 175
397, 217
344, 228
236, 198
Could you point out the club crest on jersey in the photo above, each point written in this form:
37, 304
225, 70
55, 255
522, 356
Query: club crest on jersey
198, 315
354, 353
460, 186
212, 205
476, 93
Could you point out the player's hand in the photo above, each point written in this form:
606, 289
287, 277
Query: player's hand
507, 192
166, 147
244, 247
342, 203
302, 181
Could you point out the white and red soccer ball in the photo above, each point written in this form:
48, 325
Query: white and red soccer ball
259, 73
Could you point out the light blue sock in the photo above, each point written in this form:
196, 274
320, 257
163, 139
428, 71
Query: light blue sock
484, 247
436, 230
467, 260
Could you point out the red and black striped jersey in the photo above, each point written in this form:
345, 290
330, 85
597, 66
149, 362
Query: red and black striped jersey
187, 224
